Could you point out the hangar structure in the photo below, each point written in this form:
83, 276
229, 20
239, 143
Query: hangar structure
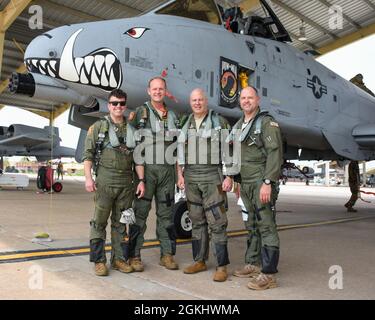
358, 21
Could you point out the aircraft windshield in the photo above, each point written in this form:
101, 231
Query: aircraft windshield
203, 10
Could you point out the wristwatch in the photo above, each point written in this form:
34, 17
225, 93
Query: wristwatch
267, 181
142, 180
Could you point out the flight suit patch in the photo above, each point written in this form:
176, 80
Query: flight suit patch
274, 124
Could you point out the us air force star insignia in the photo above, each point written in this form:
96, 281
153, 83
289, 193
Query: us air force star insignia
317, 87
274, 124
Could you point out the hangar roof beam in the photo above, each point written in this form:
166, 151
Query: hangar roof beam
357, 35
249, 5
120, 6
370, 4
7, 16
346, 17
74, 12
304, 18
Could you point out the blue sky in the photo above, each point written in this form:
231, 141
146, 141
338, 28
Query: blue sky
347, 61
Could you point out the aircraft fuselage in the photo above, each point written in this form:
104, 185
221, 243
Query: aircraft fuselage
317, 109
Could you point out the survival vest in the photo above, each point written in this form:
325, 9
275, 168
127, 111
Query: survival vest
210, 131
170, 126
108, 140
255, 136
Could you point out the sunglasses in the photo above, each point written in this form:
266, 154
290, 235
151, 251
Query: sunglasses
116, 103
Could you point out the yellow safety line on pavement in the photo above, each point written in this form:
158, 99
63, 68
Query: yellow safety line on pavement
152, 243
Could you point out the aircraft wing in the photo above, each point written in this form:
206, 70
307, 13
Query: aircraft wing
24, 140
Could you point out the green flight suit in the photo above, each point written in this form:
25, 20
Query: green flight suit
203, 185
354, 183
115, 189
358, 81
159, 135
261, 158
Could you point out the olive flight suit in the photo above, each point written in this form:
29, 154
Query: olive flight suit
354, 183
202, 160
159, 135
261, 158
114, 183
358, 81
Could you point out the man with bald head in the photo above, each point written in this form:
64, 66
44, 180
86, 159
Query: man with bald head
261, 160
200, 173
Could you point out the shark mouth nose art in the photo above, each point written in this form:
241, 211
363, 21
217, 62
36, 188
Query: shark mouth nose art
100, 68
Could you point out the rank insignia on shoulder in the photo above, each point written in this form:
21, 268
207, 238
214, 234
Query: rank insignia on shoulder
131, 116
274, 124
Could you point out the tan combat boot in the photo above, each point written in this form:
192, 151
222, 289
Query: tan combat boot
101, 269
262, 282
248, 271
196, 267
136, 264
121, 266
168, 262
221, 274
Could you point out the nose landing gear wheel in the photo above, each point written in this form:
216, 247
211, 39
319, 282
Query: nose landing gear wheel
182, 221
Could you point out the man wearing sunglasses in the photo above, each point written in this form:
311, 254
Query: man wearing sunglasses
109, 151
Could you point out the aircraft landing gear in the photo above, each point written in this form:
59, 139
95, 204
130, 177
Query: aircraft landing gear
181, 220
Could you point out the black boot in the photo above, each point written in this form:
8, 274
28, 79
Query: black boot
270, 259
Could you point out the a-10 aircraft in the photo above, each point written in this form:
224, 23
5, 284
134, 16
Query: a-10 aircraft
42, 143
197, 43
291, 171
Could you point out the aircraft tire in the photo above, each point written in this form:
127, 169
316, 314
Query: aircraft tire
181, 220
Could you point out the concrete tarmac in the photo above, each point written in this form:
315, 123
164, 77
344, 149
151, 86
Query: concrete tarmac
313, 257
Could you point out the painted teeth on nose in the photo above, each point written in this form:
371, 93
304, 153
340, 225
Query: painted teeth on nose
109, 61
112, 79
99, 61
79, 63
83, 79
88, 63
104, 80
43, 63
94, 78
52, 63
51, 72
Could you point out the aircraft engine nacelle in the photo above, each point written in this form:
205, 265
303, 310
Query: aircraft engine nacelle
42, 136
19, 129
41, 87
3, 131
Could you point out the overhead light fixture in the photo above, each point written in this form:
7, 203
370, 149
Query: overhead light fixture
302, 33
